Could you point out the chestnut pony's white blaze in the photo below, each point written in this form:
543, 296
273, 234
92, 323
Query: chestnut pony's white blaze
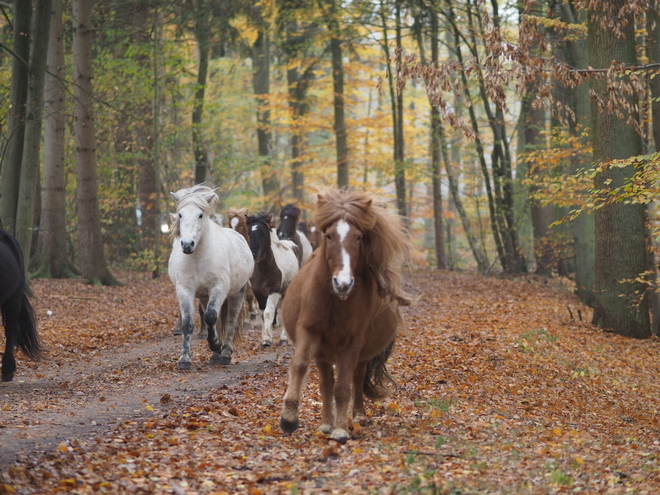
342, 281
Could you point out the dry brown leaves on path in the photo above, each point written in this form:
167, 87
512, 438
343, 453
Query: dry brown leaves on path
500, 391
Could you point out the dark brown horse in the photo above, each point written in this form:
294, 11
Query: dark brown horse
343, 308
288, 229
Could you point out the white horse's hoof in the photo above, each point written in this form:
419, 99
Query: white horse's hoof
265, 343
340, 435
216, 359
326, 428
185, 365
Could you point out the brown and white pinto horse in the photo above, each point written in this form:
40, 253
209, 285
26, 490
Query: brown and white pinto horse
275, 266
237, 219
342, 309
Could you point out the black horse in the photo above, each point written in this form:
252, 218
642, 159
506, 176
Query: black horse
288, 229
17, 312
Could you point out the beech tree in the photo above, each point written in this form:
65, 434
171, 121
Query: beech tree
93, 265
52, 256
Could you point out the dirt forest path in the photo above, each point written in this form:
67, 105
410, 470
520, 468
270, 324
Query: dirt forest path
504, 387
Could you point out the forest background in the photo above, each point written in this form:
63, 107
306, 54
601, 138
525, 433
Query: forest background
482, 123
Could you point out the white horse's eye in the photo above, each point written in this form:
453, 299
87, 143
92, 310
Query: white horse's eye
180, 215
201, 215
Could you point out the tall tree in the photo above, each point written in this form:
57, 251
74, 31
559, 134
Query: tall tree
31, 159
435, 126
583, 227
203, 46
333, 21
12, 152
93, 265
51, 254
620, 228
261, 84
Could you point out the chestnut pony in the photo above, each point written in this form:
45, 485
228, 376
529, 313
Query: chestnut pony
342, 309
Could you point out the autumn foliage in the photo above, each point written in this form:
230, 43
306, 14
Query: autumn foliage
503, 388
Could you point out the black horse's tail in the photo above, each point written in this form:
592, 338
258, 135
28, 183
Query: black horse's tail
377, 380
28, 338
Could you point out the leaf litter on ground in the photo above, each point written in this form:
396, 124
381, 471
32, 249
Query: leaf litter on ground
501, 389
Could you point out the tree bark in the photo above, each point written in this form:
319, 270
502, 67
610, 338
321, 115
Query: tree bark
92, 259
436, 154
583, 227
202, 36
620, 230
341, 143
12, 153
261, 82
33, 120
52, 253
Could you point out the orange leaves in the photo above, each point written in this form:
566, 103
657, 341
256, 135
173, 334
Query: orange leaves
567, 407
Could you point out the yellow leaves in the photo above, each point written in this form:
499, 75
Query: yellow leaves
62, 447
6, 489
149, 407
267, 429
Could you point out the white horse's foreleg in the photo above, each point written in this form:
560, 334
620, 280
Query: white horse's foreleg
187, 309
234, 308
216, 298
269, 314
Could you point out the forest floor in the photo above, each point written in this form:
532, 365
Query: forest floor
504, 387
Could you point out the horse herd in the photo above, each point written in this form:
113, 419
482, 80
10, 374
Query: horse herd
339, 303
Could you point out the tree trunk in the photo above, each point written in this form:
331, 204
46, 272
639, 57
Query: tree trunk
620, 229
399, 141
202, 35
52, 252
12, 156
436, 154
341, 143
92, 259
142, 27
32, 146
261, 82
583, 227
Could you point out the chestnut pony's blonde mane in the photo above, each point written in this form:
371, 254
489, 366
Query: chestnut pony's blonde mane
198, 195
385, 244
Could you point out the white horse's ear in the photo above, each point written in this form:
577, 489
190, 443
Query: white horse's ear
176, 195
211, 197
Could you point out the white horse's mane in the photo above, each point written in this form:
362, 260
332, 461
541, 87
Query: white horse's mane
201, 195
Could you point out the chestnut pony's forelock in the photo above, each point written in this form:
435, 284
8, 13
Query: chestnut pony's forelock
385, 244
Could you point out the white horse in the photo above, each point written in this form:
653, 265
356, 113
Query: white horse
276, 264
208, 261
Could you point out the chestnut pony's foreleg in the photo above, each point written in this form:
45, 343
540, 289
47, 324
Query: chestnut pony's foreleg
327, 385
342, 392
358, 394
305, 348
